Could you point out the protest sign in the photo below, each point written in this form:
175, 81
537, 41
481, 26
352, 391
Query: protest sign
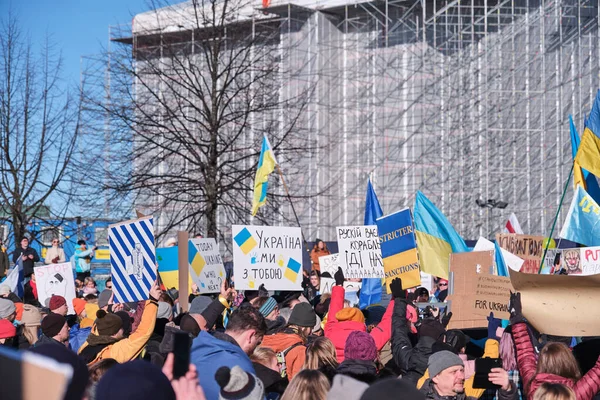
527, 247
359, 251
589, 261
426, 281
510, 259
205, 265
561, 305
132, 259
269, 255
399, 249
491, 294
326, 285
55, 279
464, 270
329, 264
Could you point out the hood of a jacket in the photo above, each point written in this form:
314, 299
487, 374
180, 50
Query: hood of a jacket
281, 341
364, 371
275, 326
206, 345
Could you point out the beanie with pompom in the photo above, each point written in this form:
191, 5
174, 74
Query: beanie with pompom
108, 324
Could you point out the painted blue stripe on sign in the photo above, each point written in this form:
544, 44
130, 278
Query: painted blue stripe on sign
124, 297
147, 284
146, 225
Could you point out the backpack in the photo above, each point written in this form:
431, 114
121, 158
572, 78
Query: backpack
281, 358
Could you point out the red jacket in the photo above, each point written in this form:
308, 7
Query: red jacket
338, 331
584, 389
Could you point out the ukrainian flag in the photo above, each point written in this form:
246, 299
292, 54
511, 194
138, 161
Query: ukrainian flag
436, 238
588, 154
266, 165
582, 177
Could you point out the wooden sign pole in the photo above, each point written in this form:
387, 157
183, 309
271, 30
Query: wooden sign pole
183, 267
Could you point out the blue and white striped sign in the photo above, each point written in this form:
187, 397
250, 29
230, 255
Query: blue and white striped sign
132, 259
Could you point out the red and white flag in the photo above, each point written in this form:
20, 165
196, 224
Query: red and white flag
512, 225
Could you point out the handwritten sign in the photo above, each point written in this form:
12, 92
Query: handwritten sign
329, 263
360, 251
206, 265
399, 249
268, 255
55, 279
492, 294
529, 248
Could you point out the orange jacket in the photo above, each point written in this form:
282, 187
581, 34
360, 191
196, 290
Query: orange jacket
314, 257
128, 349
294, 359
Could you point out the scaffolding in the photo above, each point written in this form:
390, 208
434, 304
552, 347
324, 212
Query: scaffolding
460, 99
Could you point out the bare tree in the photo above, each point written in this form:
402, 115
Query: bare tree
39, 125
191, 94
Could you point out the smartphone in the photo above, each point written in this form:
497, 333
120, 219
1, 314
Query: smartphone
181, 351
483, 366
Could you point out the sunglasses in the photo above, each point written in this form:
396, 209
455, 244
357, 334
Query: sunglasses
442, 284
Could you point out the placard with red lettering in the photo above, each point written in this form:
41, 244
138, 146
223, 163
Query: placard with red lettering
529, 248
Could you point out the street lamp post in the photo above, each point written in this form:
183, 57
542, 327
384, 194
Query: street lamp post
490, 204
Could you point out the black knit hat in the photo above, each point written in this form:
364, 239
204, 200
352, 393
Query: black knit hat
235, 383
52, 324
303, 315
108, 324
390, 389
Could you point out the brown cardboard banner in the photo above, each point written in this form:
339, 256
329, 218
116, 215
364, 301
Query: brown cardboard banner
529, 248
560, 305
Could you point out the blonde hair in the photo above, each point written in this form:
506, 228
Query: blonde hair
308, 384
320, 352
554, 391
31, 333
263, 356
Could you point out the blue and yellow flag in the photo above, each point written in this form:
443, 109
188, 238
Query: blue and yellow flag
266, 165
583, 220
588, 154
436, 238
581, 176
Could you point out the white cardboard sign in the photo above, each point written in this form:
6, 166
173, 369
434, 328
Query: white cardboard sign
55, 279
206, 265
329, 263
269, 255
360, 251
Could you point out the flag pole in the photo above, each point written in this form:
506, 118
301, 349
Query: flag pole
287, 192
556, 218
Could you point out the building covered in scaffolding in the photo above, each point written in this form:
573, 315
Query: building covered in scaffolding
464, 100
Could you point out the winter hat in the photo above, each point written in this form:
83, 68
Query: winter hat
235, 383
79, 305
268, 307
134, 380
389, 389
346, 388
64, 355
457, 339
126, 319
7, 308
164, 310
441, 360
31, 316
373, 314
52, 324
188, 324
56, 301
104, 298
108, 324
7, 329
4, 290
303, 315
350, 314
199, 304
360, 346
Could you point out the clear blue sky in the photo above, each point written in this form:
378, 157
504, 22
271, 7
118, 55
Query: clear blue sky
77, 27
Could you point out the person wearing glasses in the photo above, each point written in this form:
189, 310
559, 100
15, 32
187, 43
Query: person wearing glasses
441, 289
55, 254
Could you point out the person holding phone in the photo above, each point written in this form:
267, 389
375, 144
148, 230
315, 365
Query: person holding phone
447, 380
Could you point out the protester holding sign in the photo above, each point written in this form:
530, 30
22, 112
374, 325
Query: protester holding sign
319, 250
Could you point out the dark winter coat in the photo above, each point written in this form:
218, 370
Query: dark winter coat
431, 394
364, 371
28, 263
412, 361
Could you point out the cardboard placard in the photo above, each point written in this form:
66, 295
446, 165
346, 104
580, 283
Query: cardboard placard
492, 294
464, 269
329, 263
399, 249
561, 305
529, 248
269, 255
206, 265
360, 251
55, 279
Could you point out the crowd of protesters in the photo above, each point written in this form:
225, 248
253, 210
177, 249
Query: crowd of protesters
287, 345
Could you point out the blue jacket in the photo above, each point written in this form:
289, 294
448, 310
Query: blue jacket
209, 354
78, 336
81, 260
